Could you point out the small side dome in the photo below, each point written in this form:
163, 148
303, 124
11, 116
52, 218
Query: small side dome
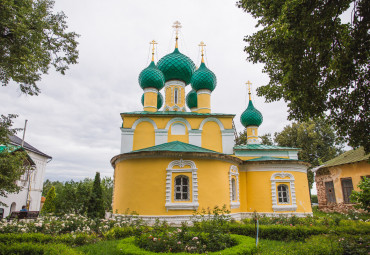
203, 78
176, 66
151, 77
192, 99
251, 116
159, 100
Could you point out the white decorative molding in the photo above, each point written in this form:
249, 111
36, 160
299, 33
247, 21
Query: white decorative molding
233, 172
148, 106
178, 119
278, 206
153, 90
191, 205
174, 82
127, 139
204, 91
228, 141
202, 108
195, 137
138, 121
290, 167
161, 136
211, 119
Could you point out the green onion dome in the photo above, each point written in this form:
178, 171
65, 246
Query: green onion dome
159, 100
151, 77
251, 116
192, 99
176, 66
203, 78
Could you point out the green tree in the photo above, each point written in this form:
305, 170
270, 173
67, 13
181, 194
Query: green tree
13, 160
32, 38
107, 185
95, 207
242, 138
315, 62
362, 197
316, 139
49, 205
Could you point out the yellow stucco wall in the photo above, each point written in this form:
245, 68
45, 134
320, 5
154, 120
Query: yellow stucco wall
144, 136
169, 93
181, 138
355, 171
258, 196
212, 137
150, 101
204, 103
140, 185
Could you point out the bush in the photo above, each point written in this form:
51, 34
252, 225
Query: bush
314, 199
244, 245
73, 240
296, 233
119, 233
36, 249
354, 244
362, 197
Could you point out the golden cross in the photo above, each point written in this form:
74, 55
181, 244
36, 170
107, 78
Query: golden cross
249, 88
153, 43
202, 50
177, 26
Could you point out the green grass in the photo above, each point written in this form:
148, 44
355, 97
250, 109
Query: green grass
103, 247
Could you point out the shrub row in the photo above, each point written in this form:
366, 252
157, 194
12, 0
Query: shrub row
36, 249
245, 245
73, 240
294, 233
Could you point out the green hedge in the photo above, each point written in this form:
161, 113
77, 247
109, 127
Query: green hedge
74, 240
245, 245
294, 233
36, 249
118, 233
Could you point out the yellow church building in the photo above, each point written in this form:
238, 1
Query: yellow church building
178, 156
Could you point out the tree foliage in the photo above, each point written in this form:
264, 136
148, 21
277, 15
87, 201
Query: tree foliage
73, 197
13, 161
362, 197
32, 38
49, 205
95, 207
315, 62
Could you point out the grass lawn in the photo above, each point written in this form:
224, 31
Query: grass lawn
103, 247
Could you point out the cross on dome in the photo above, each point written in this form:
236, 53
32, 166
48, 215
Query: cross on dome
153, 43
177, 25
249, 88
202, 50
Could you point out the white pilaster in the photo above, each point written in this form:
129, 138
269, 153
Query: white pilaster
127, 139
195, 137
227, 141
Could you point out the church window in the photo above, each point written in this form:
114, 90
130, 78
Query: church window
176, 95
283, 194
233, 189
181, 188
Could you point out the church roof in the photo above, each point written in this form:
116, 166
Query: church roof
262, 147
176, 146
351, 156
176, 113
267, 158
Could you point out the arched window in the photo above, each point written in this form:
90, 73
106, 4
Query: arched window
283, 194
233, 189
176, 96
181, 188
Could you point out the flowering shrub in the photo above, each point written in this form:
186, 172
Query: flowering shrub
68, 223
161, 239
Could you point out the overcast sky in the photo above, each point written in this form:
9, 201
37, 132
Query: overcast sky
76, 118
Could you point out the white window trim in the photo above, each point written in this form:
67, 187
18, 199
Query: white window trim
233, 172
282, 207
181, 205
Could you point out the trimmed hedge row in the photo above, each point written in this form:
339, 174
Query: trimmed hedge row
36, 249
294, 233
74, 240
245, 245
